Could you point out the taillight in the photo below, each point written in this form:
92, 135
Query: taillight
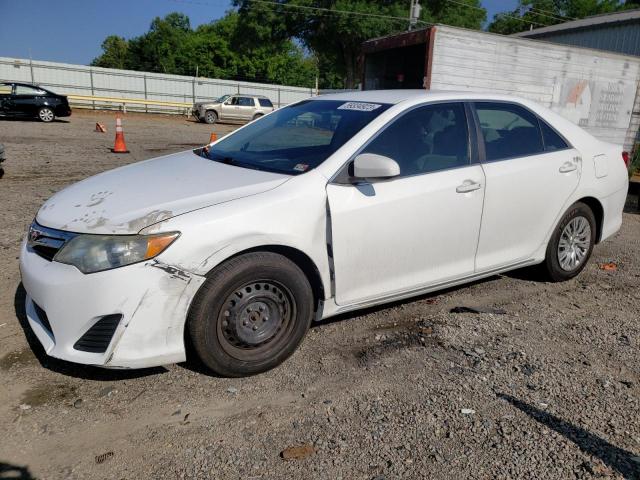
626, 158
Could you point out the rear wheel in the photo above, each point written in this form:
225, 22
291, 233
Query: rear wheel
257, 115
46, 114
210, 117
571, 243
251, 314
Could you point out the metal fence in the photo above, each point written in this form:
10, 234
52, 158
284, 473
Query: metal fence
69, 79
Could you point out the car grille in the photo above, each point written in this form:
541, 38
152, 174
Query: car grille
42, 316
46, 242
98, 337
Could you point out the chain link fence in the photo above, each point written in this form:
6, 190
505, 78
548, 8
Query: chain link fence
69, 79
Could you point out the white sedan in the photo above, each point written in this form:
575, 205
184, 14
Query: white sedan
333, 204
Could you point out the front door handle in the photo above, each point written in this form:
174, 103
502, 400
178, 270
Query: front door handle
468, 186
568, 167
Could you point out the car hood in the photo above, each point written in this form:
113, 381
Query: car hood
202, 104
130, 198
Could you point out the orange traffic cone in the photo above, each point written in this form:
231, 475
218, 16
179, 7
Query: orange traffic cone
119, 145
213, 137
100, 128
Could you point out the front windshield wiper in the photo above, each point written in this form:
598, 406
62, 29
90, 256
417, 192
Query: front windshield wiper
228, 160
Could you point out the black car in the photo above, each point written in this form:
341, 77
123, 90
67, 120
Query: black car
25, 100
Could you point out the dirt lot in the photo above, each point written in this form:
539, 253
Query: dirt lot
548, 389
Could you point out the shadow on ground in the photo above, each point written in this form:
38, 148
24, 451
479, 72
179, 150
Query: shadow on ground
530, 274
31, 119
623, 461
86, 372
14, 472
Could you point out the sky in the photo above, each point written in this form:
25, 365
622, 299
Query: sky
71, 31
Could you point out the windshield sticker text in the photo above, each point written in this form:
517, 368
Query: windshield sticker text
362, 107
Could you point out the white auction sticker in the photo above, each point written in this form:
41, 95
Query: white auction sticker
362, 107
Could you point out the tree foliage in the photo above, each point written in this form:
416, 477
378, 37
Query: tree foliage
539, 13
217, 49
287, 42
334, 37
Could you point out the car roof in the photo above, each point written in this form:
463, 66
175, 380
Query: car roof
25, 84
34, 85
245, 95
398, 96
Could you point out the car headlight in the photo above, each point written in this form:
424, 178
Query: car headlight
95, 253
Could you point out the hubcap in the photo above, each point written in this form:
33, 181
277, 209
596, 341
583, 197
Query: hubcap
574, 243
211, 117
46, 115
255, 315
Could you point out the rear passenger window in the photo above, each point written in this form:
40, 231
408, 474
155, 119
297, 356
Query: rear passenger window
246, 102
426, 139
552, 141
265, 102
508, 130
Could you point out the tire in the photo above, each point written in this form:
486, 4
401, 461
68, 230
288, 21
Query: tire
571, 244
45, 114
257, 116
210, 117
251, 314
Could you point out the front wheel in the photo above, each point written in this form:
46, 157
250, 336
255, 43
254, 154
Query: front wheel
251, 314
210, 117
45, 114
571, 243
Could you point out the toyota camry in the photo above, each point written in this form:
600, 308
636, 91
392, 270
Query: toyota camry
329, 205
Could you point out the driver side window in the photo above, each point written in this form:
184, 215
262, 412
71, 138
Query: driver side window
426, 139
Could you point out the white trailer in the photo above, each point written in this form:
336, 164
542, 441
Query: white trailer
595, 89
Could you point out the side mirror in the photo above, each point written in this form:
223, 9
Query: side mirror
372, 165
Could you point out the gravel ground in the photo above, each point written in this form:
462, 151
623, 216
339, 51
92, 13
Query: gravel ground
548, 389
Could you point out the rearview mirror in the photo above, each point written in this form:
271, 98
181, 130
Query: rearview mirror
372, 165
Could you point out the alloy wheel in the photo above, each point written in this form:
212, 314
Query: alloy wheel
46, 115
574, 243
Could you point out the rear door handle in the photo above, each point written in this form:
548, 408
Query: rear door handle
568, 167
468, 186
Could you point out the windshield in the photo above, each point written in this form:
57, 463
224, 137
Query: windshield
222, 98
294, 139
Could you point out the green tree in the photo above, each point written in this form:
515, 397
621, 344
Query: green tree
335, 37
115, 51
289, 42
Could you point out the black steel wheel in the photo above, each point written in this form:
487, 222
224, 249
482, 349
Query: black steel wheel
251, 314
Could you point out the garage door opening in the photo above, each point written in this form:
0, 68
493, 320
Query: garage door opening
397, 61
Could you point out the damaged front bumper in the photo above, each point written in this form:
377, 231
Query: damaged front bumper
128, 317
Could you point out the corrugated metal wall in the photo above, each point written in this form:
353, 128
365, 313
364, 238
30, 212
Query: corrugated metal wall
595, 90
621, 38
82, 80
